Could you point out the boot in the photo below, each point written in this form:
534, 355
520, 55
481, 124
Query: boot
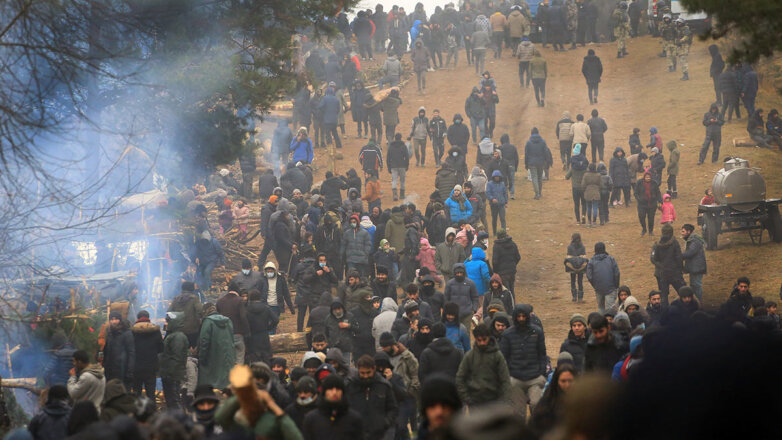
625, 52
661, 54
402, 193
396, 196
674, 64
619, 54
675, 194
542, 102
685, 77
580, 296
574, 292
671, 69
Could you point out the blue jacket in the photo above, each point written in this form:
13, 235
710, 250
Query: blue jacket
458, 335
302, 150
414, 32
478, 270
497, 190
535, 152
454, 210
330, 106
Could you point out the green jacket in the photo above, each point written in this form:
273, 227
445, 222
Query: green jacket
538, 68
188, 303
577, 178
673, 160
173, 359
483, 376
268, 425
216, 354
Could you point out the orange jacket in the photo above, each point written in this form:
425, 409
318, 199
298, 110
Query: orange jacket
371, 190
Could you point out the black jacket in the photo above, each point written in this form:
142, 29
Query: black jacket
293, 178
441, 356
332, 189
524, 347
260, 319
505, 256
667, 258
332, 422
694, 255
319, 313
619, 170
728, 83
119, 354
397, 156
375, 403
459, 136
339, 337
361, 328
576, 347
511, 154
592, 69
266, 185
535, 152
643, 200
52, 422
149, 343
603, 357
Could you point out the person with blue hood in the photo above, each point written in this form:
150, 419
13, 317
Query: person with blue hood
578, 166
478, 271
497, 193
300, 146
459, 207
537, 157
414, 31
331, 107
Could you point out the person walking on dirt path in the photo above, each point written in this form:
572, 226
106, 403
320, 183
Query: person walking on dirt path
715, 69
673, 167
497, 193
438, 129
525, 52
458, 134
657, 162
603, 274
505, 258
668, 262
419, 130
713, 122
647, 194
575, 265
390, 107
420, 58
581, 133
358, 94
489, 99
578, 166
683, 43
480, 41
393, 70
232, 306
524, 348
331, 107
499, 23
539, 73
668, 36
591, 184
475, 110
536, 160
398, 163
619, 171
597, 129
694, 257
509, 153
592, 69
565, 138
518, 27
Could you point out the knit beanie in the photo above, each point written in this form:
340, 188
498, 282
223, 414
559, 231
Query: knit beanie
386, 339
578, 318
439, 388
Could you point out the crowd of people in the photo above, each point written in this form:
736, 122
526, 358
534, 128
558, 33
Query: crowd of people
411, 317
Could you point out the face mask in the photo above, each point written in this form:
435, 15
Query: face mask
205, 416
459, 277
246, 271
353, 225
424, 338
455, 154
305, 402
322, 264
269, 274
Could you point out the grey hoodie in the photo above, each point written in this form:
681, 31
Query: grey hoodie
89, 384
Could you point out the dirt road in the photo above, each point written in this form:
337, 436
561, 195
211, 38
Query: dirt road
636, 91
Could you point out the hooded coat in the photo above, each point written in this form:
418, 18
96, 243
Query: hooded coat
464, 293
395, 230
457, 160
473, 106
173, 359
619, 170
440, 357
478, 270
332, 421
356, 244
667, 258
458, 134
361, 326
591, 184
117, 402
88, 384
302, 150
592, 69
317, 319
458, 211
445, 179
216, 355
447, 255
524, 346
603, 273
339, 337
576, 347
563, 127
282, 137
602, 357
149, 343
330, 106
483, 376
497, 190
505, 256
694, 255
535, 153
385, 320
51, 423
713, 128
119, 354
358, 95
673, 158
478, 180
374, 401
503, 295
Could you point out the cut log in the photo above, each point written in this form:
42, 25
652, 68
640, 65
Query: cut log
289, 342
26, 383
744, 142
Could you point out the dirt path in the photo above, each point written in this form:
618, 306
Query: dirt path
636, 91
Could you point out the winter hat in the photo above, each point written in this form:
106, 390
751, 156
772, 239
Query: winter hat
439, 388
332, 381
425, 322
382, 269
421, 109
593, 316
501, 233
564, 357
457, 188
600, 248
622, 321
666, 196
204, 393
578, 318
306, 385
273, 199
410, 306
115, 315
655, 150
451, 308
635, 342
383, 360
387, 339
576, 149
637, 319
57, 392
667, 230
438, 330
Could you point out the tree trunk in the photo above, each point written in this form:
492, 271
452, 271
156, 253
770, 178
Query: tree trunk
289, 342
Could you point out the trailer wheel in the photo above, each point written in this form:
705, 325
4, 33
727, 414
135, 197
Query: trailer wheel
774, 224
710, 230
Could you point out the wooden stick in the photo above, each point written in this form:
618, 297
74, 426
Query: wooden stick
243, 385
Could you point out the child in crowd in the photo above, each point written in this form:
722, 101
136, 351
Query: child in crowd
635, 141
668, 211
425, 258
